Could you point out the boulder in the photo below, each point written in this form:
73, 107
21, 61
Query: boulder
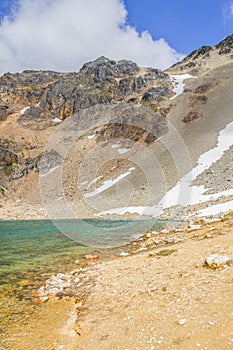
48, 161
217, 261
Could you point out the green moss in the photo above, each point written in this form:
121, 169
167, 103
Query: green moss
28, 89
166, 252
107, 92
150, 105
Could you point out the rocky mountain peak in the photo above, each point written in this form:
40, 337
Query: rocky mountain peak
103, 68
225, 46
205, 58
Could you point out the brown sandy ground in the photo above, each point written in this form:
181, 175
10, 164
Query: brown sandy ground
158, 297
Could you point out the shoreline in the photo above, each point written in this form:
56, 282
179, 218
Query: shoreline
148, 246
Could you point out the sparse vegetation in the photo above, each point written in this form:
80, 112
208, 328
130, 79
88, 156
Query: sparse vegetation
166, 252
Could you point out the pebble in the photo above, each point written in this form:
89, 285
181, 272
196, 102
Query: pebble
92, 257
172, 240
182, 321
53, 286
194, 227
123, 254
43, 299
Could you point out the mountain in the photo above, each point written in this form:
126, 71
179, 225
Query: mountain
115, 138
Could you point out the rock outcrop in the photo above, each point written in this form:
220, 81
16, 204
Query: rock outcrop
52, 95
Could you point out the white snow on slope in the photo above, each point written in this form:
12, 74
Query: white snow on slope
90, 137
183, 193
123, 150
24, 110
50, 171
94, 181
107, 184
216, 209
178, 83
56, 120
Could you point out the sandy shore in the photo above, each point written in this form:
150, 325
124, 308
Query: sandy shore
160, 296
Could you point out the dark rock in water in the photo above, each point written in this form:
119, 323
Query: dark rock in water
225, 46
48, 161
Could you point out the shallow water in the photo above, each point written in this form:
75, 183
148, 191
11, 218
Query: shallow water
31, 251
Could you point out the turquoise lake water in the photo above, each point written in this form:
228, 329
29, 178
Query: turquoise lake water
34, 250
31, 244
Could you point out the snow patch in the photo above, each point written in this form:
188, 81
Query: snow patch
83, 183
115, 145
94, 181
50, 171
24, 110
178, 83
57, 120
123, 150
216, 209
107, 184
90, 137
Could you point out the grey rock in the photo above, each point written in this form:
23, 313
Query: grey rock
48, 161
5, 111
172, 240
156, 94
217, 261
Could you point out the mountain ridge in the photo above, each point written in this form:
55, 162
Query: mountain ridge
34, 104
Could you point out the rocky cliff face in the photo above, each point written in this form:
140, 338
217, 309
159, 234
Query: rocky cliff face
100, 82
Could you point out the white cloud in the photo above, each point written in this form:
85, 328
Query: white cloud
64, 34
227, 12
231, 9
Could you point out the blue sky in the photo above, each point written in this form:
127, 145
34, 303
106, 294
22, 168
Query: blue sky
185, 24
63, 34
